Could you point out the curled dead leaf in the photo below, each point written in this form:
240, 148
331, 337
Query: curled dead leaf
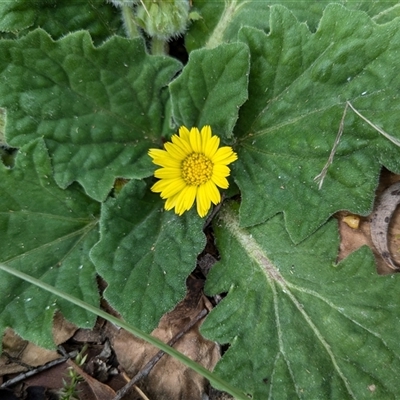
381, 218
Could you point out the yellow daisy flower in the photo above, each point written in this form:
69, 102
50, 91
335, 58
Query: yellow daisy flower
192, 168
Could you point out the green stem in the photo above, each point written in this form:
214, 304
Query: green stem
214, 380
158, 47
131, 28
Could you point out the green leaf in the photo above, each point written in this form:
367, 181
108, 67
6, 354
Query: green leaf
214, 379
46, 232
298, 325
211, 88
60, 17
98, 109
145, 254
299, 86
221, 20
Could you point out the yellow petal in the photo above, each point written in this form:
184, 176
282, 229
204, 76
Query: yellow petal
157, 153
175, 151
182, 143
211, 148
224, 155
220, 181
185, 199
195, 140
158, 186
205, 136
170, 202
160, 157
168, 173
167, 162
184, 133
212, 192
221, 170
172, 187
203, 201
168, 187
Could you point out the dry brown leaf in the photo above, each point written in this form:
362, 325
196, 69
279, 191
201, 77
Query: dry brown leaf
51, 378
380, 221
218, 395
62, 329
19, 354
90, 388
352, 239
170, 379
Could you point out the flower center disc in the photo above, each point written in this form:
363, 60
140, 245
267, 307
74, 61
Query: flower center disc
196, 169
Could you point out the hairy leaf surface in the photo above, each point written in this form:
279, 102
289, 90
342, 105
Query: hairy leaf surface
299, 87
45, 232
145, 254
221, 20
60, 17
211, 88
298, 325
98, 109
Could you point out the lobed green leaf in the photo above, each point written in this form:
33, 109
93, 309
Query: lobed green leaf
46, 232
60, 17
299, 86
145, 254
221, 20
211, 88
298, 325
98, 109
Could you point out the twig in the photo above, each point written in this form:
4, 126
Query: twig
35, 371
16, 360
140, 392
380, 130
321, 176
148, 367
213, 212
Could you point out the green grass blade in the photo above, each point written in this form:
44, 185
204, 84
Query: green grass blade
215, 380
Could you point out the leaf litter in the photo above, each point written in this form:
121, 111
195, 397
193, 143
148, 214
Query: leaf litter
114, 357
380, 230
381, 218
132, 354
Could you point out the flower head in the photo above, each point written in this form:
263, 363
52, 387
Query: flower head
192, 168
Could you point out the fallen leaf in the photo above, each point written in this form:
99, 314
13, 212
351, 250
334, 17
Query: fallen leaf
352, 239
21, 354
62, 329
18, 354
169, 379
90, 388
52, 378
381, 218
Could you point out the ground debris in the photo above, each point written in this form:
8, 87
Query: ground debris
367, 230
169, 379
112, 357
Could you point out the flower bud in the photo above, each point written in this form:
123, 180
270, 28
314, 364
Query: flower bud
163, 19
120, 3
